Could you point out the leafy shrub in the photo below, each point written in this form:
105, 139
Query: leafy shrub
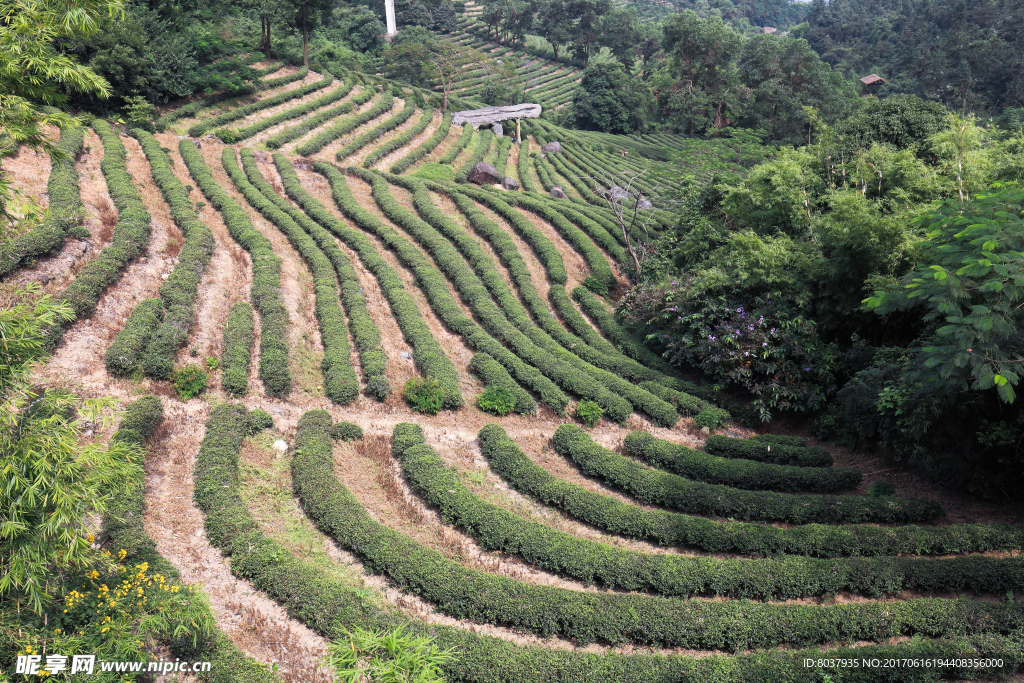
124, 354
257, 420
377, 388
140, 113
239, 335
781, 453
881, 488
496, 400
189, 381
346, 431
424, 394
596, 286
712, 418
589, 412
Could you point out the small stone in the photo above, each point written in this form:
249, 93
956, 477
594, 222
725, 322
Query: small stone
405, 354
552, 147
509, 184
280, 446
557, 192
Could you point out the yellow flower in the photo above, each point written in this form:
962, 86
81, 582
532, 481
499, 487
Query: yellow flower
94, 574
91, 538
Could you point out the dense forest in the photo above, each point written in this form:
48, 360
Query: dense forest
657, 341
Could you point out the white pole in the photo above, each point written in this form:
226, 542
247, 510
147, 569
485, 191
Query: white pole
389, 12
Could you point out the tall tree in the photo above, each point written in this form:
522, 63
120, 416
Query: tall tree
307, 14
586, 25
554, 24
620, 33
700, 88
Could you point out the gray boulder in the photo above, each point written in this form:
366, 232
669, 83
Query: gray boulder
498, 130
509, 184
484, 174
551, 148
557, 192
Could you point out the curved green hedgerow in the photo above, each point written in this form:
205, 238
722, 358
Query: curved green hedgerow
686, 531
266, 274
126, 352
426, 148
562, 370
565, 349
382, 128
123, 530
660, 488
179, 291
494, 375
427, 353
131, 234
600, 617
193, 108
346, 125
399, 141
483, 144
460, 144
593, 562
687, 404
743, 474
63, 213
306, 125
340, 383
203, 127
616, 333
766, 451
365, 334
230, 136
582, 243
239, 335
331, 608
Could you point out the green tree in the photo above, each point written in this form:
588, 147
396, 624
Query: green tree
610, 100
585, 27
307, 15
784, 75
554, 24
620, 33
699, 88
969, 285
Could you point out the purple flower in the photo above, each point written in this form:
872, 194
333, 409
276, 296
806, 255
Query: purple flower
807, 369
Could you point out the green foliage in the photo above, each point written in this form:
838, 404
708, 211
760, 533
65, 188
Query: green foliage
399, 141
237, 135
212, 363
346, 125
125, 354
881, 488
589, 413
139, 113
496, 400
483, 144
189, 381
463, 141
609, 99
657, 488
257, 420
968, 283
712, 418
346, 431
51, 477
316, 120
496, 377
424, 394
206, 125
386, 657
